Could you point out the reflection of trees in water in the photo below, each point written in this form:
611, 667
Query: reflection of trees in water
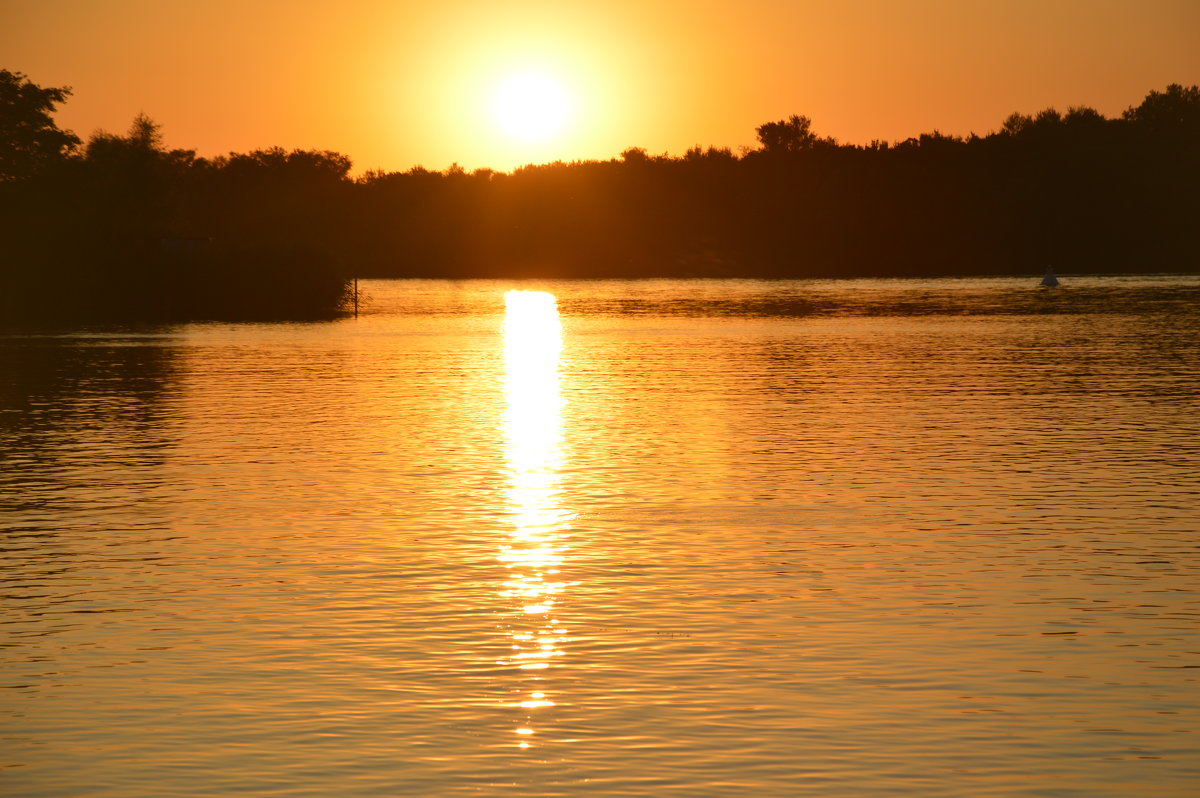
883, 298
79, 416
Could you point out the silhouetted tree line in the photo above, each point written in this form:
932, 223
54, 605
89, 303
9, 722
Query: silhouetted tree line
121, 226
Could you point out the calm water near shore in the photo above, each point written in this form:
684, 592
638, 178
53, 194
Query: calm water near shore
693, 538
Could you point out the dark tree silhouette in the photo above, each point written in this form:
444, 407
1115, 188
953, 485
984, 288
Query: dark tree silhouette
787, 135
134, 185
1082, 115
133, 230
1177, 108
29, 138
635, 155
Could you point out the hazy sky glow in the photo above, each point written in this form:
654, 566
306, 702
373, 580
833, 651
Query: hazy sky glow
401, 83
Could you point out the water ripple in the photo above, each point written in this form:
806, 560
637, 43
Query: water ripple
797, 538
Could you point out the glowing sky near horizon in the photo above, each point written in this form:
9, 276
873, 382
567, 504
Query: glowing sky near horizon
400, 83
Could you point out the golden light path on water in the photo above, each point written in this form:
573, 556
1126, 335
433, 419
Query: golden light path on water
534, 548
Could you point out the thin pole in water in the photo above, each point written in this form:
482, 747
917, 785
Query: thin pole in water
356, 297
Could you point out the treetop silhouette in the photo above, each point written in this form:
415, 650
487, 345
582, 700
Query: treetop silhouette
29, 138
134, 229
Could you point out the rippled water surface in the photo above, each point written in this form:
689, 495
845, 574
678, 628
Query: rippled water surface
694, 538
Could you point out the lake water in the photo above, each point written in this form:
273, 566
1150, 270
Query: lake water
690, 538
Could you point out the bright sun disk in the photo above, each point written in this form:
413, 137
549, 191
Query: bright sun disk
530, 106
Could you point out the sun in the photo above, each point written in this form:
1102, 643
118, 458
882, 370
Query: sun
530, 106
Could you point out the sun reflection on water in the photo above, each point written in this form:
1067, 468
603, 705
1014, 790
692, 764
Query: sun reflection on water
534, 549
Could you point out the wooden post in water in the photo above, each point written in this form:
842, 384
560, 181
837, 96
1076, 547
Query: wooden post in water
356, 297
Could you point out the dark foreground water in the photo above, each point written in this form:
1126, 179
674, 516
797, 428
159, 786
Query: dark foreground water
933, 538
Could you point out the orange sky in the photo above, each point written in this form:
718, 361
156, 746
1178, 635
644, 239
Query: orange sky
401, 83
